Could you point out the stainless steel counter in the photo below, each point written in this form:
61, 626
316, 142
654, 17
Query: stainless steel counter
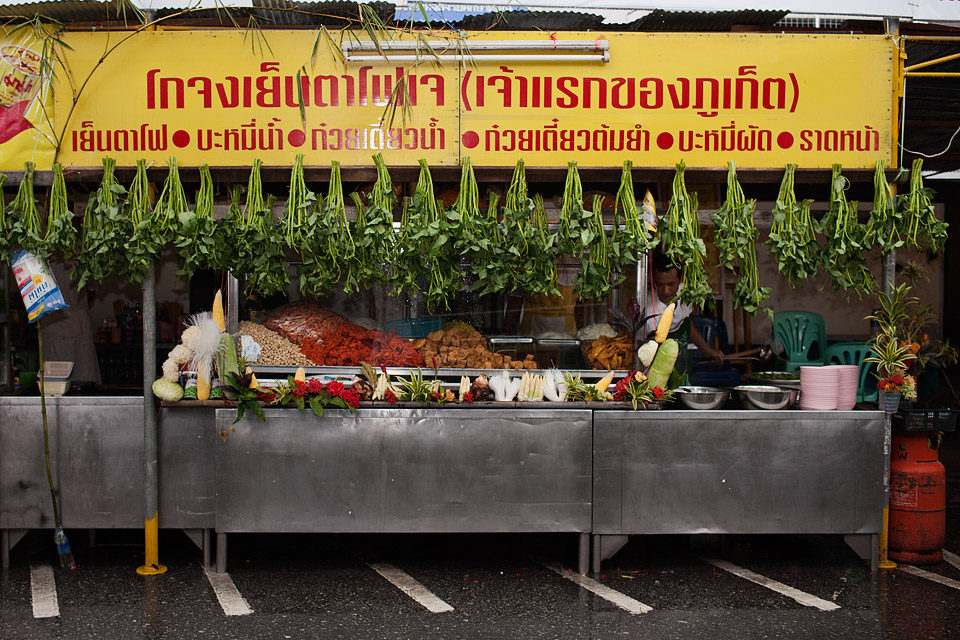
96, 453
612, 473
739, 472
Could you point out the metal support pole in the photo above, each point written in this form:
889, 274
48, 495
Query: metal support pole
233, 305
151, 522
888, 275
886, 563
583, 556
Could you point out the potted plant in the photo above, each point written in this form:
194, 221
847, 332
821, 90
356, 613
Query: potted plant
892, 359
902, 316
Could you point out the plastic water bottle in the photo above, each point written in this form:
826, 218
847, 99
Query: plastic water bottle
63, 549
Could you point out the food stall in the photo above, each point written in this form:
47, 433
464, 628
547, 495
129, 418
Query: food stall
458, 432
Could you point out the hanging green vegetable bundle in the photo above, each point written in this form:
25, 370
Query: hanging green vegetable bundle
680, 237
26, 227
635, 238
198, 239
583, 238
257, 243
59, 237
104, 233
734, 231
300, 203
547, 259
792, 240
428, 238
923, 230
478, 240
736, 236
530, 260
844, 253
140, 249
373, 232
158, 230
883, 227
326, 245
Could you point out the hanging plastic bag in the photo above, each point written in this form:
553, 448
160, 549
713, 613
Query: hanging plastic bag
38, 288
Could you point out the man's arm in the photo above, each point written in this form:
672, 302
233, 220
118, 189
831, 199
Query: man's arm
706, 349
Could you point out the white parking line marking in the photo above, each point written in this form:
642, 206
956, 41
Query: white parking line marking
933, 577
951, 558
227, 594
43, 592
625, 602
802, 597
411, 587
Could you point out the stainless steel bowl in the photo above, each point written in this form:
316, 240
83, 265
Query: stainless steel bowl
776, 379
702, 397
766, 397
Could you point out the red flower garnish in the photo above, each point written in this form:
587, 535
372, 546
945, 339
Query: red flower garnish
657, 393
299, 388
314, 385
351, 397
264, 396
468, 397
390, 397
435, 395
335, 389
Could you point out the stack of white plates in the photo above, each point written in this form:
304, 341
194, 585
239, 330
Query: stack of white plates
848, 376
818, 388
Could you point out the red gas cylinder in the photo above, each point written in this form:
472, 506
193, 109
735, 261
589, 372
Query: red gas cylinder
918, 498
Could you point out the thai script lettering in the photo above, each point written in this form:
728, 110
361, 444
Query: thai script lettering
866, 139
706, 96
274, 91
143, 138
376, 137
246, 137
552, 138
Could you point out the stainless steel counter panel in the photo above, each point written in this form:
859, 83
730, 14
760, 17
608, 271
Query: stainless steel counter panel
738, 472
96, 453
406, 470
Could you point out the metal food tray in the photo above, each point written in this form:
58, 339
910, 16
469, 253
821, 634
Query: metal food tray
269, 371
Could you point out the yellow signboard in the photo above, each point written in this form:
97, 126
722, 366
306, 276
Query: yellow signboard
25, 101
221, 98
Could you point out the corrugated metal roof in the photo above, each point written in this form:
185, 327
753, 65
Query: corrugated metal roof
520, 20
69, 10
333, 14
660, 20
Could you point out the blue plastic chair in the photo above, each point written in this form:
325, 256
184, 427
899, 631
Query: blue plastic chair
854, 353
803, 335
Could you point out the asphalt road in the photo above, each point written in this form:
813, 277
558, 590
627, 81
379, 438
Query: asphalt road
480, 586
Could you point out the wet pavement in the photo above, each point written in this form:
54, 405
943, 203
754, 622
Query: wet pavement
498, 586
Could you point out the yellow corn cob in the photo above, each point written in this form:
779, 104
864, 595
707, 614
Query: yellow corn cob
604, 382
665, 320
300, 375
203, 387
218, 311
253, 379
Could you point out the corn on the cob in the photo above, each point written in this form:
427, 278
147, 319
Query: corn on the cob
604, 382
218, 311
665, 320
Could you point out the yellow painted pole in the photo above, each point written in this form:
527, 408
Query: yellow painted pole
930, 63
885, 562
151, 534
151, 518
932, 74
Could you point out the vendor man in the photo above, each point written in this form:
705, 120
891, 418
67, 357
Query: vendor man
666, 284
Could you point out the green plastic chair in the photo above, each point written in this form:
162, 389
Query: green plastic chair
803, 335
854, 353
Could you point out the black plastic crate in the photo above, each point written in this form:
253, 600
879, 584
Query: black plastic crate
925, 420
